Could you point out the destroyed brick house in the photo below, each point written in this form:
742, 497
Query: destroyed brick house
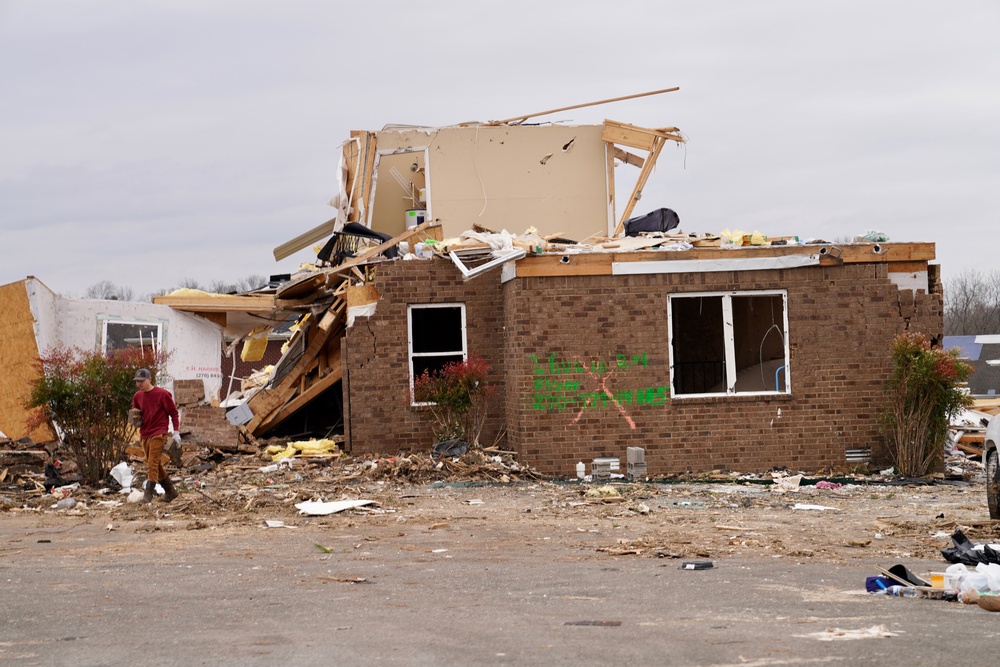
737, 352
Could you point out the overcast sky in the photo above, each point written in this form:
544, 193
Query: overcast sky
144, 142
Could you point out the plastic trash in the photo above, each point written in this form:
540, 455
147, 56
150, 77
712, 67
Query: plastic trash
898, 591
122, 474
581, 470
66, 503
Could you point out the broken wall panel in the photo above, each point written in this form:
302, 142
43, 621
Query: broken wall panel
552, 177
19, 353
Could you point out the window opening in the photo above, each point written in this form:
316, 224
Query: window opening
120, 335
437, 337
731, 343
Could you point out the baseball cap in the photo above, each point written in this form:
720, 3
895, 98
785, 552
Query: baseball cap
142, 374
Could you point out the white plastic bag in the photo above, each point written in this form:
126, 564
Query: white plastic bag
992, 573
123, 475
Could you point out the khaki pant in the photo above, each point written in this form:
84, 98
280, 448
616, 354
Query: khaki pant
152, 448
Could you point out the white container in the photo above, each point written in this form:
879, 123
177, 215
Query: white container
415, 216
581, 470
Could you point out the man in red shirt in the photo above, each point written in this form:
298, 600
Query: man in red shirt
157, 406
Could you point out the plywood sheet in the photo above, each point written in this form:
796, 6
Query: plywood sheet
18, 357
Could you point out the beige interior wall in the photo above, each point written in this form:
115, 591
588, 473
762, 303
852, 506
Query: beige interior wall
552, 177
18, 357
391, 198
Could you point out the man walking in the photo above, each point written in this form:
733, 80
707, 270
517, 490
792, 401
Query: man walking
156, 406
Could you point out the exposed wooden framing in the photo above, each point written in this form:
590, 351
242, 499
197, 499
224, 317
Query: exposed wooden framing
218, 303
647, 169
306, 395
628, 158
519, 119
266, 402
633, 136
365, 195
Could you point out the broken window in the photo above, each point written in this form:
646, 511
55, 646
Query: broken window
437, 336
729, 343
119, 335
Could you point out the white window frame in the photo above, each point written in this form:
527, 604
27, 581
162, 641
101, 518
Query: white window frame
409, 339
729, 341
155, 344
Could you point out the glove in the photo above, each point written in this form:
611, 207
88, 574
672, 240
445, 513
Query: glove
177, 437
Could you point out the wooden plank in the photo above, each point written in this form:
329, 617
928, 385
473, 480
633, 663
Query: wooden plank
628, 158
637, 137
218, 303
369, 153
907, 267
580, 106
589, 264
618, 133
306, 396
647, 169
599, 263
304, 240
264, 403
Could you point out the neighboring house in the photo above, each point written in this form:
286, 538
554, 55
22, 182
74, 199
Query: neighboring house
983, 354
38, 319
709, 357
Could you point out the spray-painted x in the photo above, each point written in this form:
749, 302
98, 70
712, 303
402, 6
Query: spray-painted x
602, 388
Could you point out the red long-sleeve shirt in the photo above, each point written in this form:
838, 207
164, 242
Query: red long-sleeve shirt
157, 405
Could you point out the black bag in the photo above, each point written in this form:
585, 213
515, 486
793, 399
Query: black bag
660, 220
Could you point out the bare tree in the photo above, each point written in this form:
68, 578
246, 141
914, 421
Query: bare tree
972, 303
108, 291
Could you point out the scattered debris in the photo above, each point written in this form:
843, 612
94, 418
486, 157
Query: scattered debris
319, 508
836, 634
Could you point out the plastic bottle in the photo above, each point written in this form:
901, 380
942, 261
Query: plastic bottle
581, 470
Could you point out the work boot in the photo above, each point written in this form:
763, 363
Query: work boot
170, 489
148, 492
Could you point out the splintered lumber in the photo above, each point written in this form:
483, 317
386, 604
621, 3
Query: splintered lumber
969, 449
647, 169
427, 229
306, 395
265, 403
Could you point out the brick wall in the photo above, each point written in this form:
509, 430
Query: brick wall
841, 323
207, 425
585, 330
376, 404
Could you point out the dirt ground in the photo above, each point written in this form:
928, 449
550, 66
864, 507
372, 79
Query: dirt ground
845, 519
